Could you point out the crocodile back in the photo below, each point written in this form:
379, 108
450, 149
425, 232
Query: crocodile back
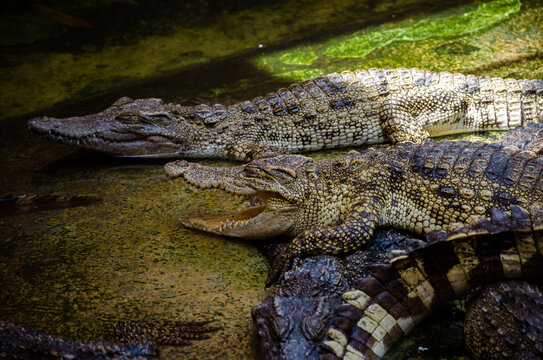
342, 109
425, 187
527, 137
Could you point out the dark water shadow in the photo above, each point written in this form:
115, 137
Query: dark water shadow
193, 83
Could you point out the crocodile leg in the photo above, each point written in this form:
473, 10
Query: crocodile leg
356, 231
403, 113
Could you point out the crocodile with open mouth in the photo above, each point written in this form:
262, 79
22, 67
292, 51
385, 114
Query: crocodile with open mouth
333, 206
290, 323
346, 109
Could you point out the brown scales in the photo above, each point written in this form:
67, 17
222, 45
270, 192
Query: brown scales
333, 206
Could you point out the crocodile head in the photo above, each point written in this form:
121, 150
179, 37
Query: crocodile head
277, 188
292, 321
143, 127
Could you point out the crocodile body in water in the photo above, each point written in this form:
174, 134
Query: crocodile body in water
346, 109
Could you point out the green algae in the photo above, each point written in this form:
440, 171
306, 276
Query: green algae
182, 61
377, 45
77, 271
464, 20
299, 58
37, 79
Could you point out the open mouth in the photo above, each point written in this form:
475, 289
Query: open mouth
265, 213
222, 222
252, 208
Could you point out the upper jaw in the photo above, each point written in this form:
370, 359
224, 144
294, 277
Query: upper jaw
100, 133
229, 179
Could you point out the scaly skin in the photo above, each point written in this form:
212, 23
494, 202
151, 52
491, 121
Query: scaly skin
506, 322
19, 343
289, 323
333, 206
346, 109
294, 317
136, 340
395, 297
527, 137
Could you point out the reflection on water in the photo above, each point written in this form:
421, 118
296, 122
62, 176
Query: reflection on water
73, 272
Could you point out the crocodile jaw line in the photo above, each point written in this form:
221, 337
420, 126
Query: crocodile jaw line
253, 222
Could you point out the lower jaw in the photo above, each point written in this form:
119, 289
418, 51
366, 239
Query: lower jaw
262, 226
218, 224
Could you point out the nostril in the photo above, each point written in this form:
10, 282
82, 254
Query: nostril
40, 124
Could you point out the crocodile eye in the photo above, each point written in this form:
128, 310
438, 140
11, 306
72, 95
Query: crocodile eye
128, 118
162, 119
280, 327
251, 170
313, 328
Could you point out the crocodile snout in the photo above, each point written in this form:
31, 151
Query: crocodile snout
176, 168
40, 124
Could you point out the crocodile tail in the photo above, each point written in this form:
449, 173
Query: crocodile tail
19, 343
397, 296
508, 102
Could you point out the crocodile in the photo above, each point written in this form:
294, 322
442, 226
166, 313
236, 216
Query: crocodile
333, 206
346, 109
136, 339
292, 320
294, 317
19, 343
386, 305
289, 322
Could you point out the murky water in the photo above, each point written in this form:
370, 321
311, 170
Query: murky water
74, 272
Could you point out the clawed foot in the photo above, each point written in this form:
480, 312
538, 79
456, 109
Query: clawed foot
281, 264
